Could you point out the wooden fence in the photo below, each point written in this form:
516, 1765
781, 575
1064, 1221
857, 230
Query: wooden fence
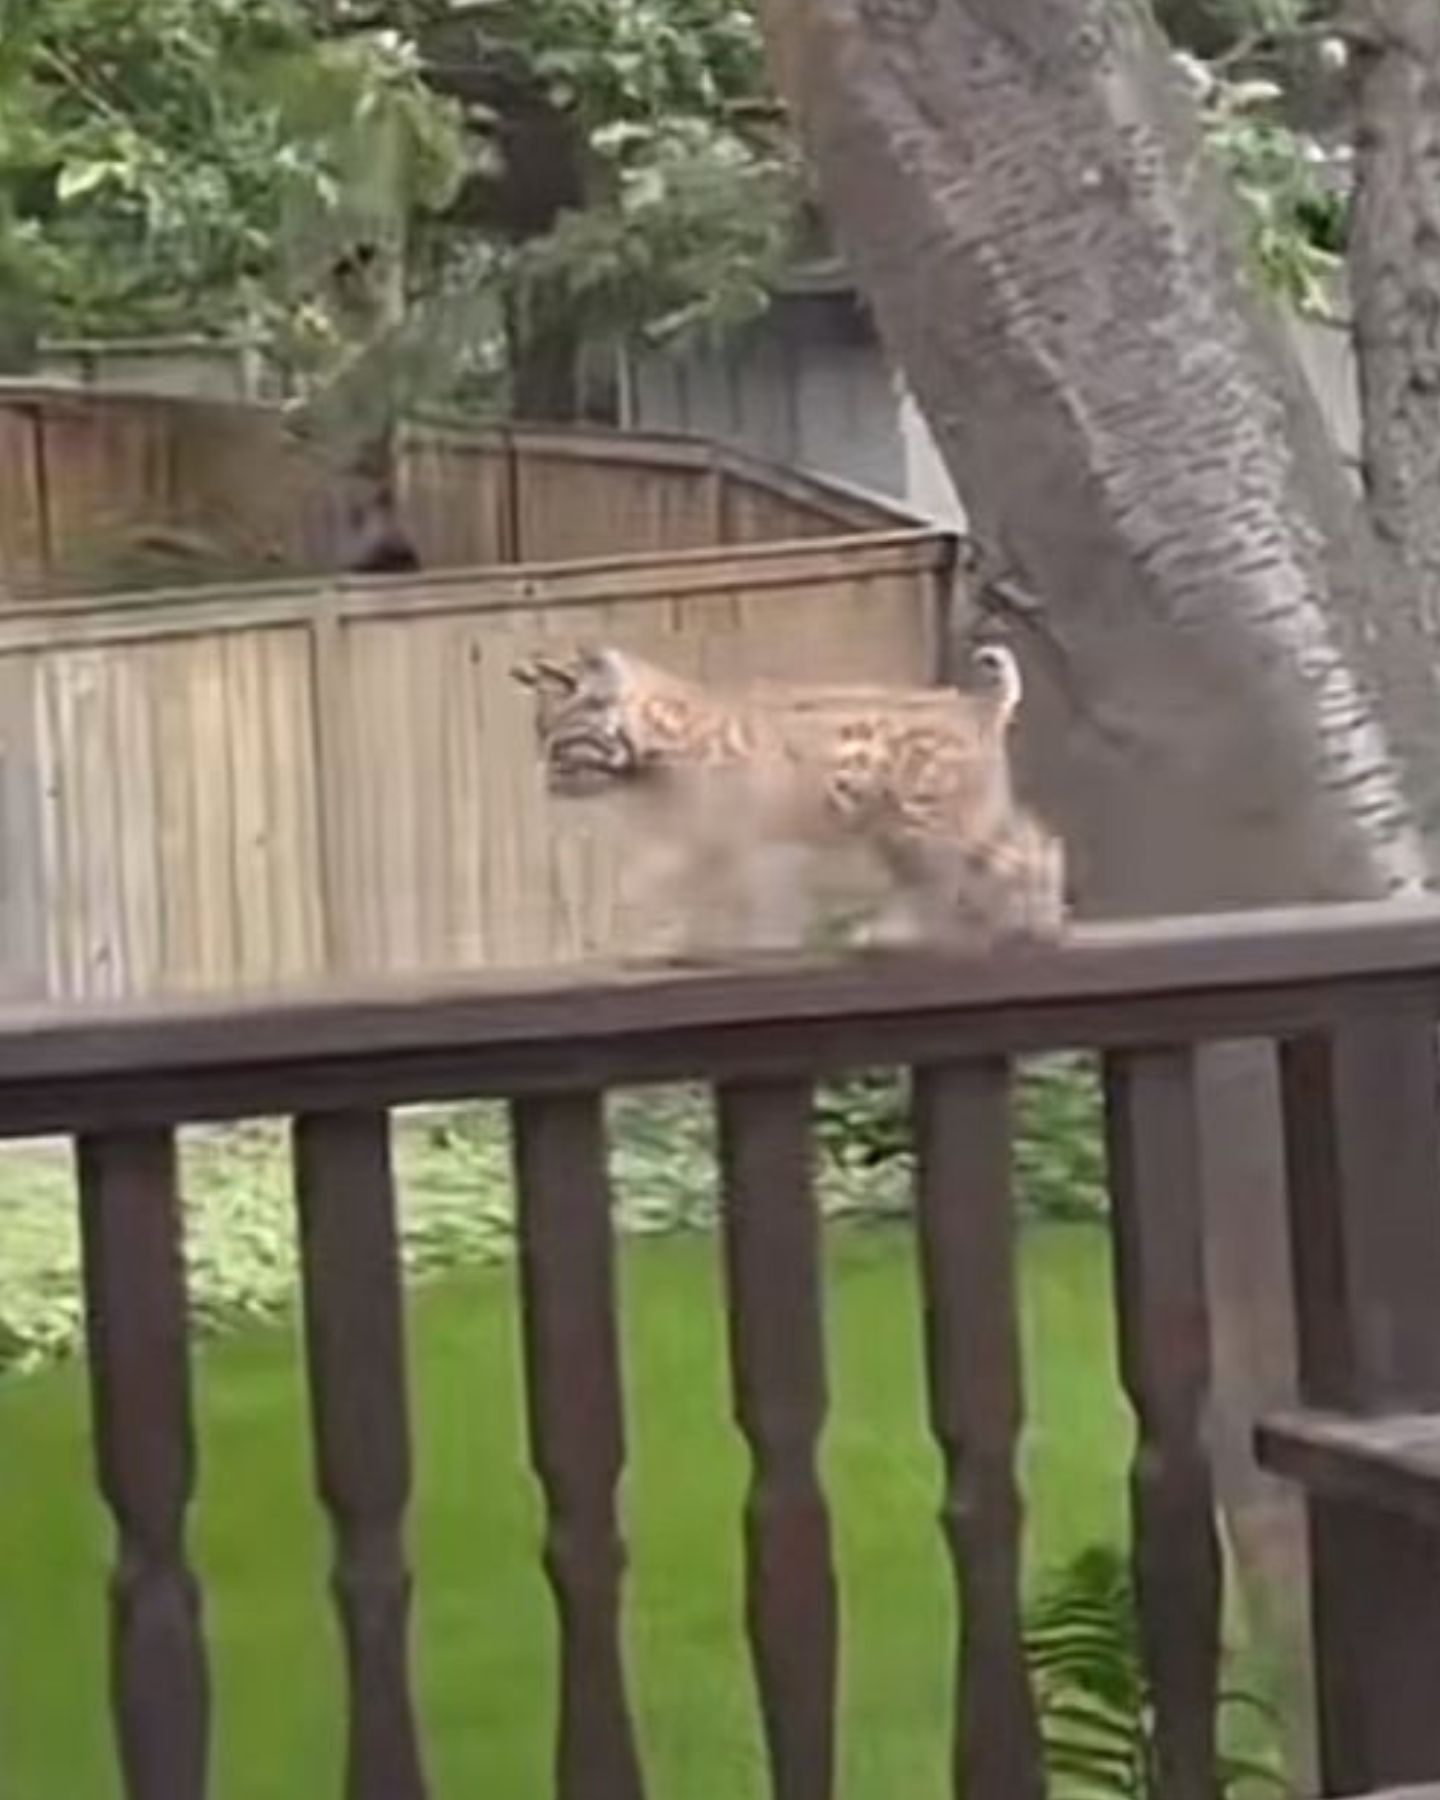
100, 492
527, 494
1348, 998
231, 788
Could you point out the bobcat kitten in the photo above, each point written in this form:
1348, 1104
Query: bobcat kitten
740, 797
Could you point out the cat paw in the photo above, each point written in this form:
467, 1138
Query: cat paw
885, 932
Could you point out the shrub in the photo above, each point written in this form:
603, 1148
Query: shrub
453, 1173
863, 1123
1097, 1719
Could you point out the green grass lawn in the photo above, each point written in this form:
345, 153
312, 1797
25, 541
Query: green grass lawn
484, 1638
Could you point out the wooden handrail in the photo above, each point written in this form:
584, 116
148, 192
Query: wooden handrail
65, 1066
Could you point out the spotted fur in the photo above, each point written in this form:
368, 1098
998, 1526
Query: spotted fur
741, 797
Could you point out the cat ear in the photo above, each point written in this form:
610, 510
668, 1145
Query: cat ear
1002, 676
540, 672
603, 668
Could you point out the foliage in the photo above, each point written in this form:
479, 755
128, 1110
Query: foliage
1097, 1718
1290, 202
453, 1171
174, 164
165, 163
692, 202
863, 1123
666, 204
1255, 68
696, 227
863, 1120
696, 193
1059, 1143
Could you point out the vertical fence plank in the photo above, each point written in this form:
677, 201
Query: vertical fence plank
1363, 1163
772, 1254
355, 1351
1153, 1142
573, 1393
335, 867
140, 1386
966, 1223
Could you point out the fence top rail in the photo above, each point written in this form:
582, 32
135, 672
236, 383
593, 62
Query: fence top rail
68, 1068
679, 451
639, 575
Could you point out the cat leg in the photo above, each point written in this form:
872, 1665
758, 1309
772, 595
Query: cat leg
654, 883
971, 894
915, 910
776, 898
1013, 884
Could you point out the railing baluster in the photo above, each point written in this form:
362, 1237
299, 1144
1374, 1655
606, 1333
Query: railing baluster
140, 1385
1152, 1132
772, 1253
966, 1223
576, 1416
355, 1350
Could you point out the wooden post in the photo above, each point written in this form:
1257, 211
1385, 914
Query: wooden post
1363, 1154
1252, 1320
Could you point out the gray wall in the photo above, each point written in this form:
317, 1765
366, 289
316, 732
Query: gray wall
808, 385
186, 367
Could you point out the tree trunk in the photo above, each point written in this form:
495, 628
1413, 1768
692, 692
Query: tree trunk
1395, 279
544, 362
544, 176
1020, 188
1230, 708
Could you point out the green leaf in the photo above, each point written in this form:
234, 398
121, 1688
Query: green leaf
77, 179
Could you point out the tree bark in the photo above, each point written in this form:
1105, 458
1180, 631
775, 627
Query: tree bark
1394, 259
1020, 187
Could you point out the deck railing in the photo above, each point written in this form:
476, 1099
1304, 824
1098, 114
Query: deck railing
1349, 997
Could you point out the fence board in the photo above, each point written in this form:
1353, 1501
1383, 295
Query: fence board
258, 499
106, 473
140, 1387
568, 507
210, 798
458, 498
135, 791
90, 736
170, 669
467, 822
294, 775
59, 812
753, 514
24, 546
966, 1220
24, 923
772, 1257
184, 848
